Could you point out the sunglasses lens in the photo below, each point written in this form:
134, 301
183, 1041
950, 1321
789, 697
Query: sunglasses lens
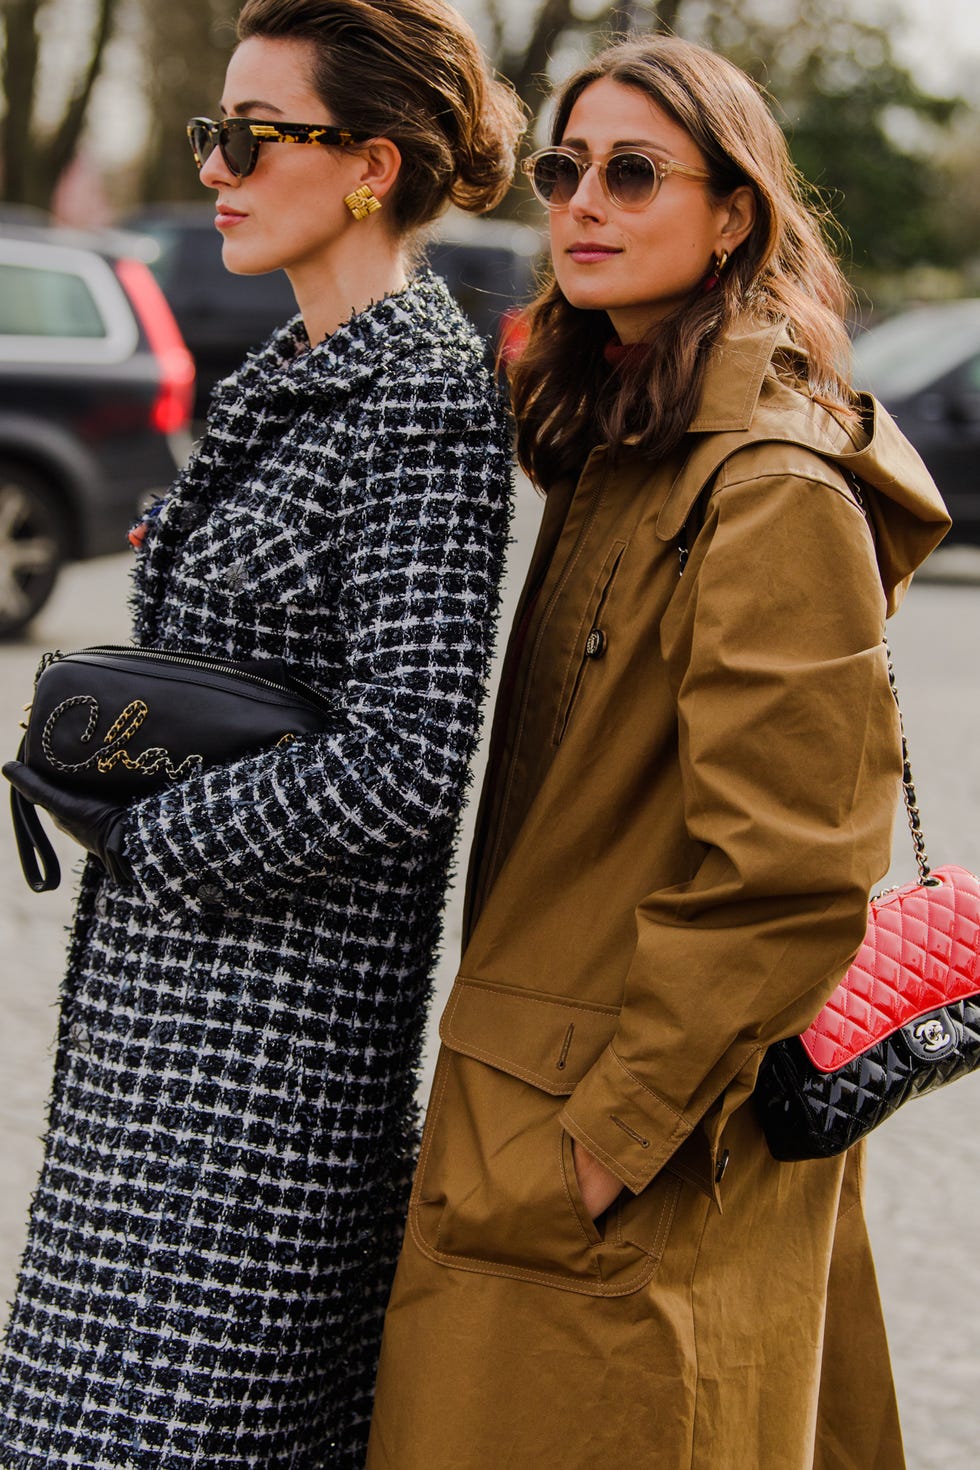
203, 139
238, 149
631, 179
555, 179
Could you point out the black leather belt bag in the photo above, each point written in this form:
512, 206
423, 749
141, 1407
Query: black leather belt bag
119, 722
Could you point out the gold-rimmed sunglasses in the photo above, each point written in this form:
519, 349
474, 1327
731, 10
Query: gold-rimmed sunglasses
630, 177
240, 138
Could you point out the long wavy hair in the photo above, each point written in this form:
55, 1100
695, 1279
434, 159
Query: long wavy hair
567, 397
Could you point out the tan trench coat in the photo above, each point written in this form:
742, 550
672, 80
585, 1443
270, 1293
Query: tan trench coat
691, 791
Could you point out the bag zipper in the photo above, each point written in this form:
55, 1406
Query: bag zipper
190, 660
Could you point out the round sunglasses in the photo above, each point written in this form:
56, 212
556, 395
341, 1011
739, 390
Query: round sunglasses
240, 138
630, 177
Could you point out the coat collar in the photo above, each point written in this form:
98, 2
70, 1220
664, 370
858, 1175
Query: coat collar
368, 343
734, 376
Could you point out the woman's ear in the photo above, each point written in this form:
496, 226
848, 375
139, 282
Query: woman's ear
381, 160
737, 219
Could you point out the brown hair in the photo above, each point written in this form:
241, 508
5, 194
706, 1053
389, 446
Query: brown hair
566, 397
411, 71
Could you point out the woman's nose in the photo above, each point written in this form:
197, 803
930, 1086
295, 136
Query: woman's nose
588, 201
215, 173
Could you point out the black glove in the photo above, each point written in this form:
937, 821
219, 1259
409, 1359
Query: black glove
96, 824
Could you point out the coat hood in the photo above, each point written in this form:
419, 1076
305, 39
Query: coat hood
744, 405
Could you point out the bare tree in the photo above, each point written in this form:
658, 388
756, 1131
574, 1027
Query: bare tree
187, 43
34, 160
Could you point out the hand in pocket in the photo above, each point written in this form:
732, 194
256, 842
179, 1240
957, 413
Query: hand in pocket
598, 1186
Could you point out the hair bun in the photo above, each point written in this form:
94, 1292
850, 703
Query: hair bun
412, 71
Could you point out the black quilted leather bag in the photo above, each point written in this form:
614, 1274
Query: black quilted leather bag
904, 1020
119, 722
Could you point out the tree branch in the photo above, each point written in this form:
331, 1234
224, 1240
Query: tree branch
667, 12
528, 69
62, 147
21, 48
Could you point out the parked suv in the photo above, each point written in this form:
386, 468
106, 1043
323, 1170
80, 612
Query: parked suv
488, 265
924, 365
95, 383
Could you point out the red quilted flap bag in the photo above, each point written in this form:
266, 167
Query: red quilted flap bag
919, 955
904, 1020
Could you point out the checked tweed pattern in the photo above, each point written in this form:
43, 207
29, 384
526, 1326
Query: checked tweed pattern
232, 1127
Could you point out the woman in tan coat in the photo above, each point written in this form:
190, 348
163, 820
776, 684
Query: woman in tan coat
690, 795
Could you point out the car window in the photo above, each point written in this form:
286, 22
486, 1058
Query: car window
46, 303
61, 303
907, 354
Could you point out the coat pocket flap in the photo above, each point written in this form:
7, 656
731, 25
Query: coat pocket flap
550, 1043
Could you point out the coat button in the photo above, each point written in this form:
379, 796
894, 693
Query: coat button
595, 644
722, 1168
235, 578
195, 515
210, 894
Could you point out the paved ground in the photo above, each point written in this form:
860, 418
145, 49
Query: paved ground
924, 1189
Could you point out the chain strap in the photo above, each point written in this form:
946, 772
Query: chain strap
908, 787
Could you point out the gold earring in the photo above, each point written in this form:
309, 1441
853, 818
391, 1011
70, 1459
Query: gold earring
718, 264
362, 202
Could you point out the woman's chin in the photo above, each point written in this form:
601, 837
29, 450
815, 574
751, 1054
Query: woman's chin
241, 259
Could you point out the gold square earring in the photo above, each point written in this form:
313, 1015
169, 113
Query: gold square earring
362, 202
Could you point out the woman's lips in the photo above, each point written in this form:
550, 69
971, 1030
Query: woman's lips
225, 218
589, 253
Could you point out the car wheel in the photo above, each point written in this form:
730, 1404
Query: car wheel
31, 545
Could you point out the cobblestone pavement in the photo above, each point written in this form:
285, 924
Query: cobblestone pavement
924, 1173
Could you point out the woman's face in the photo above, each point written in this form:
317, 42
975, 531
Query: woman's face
289, 213
638, 265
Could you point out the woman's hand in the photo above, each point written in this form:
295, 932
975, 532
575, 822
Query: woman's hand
96, 825
597, 1185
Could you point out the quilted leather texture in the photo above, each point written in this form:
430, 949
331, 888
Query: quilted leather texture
915, 1003
921, 951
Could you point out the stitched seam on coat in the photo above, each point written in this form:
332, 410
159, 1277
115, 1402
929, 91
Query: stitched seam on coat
518, 735
602, 585
694, 1339
648, 1090
810, 476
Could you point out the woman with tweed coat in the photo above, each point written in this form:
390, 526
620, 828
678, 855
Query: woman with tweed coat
232, 1125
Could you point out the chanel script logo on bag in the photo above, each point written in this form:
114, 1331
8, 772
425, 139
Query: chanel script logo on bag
933, 1037
112, 751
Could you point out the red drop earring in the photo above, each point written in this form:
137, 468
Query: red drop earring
714, 275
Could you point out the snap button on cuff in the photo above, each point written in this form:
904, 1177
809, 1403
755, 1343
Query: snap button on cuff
595, 644
210, 893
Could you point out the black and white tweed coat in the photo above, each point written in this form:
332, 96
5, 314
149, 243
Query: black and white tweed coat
232, 1124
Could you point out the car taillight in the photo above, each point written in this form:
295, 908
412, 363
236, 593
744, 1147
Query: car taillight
171, 410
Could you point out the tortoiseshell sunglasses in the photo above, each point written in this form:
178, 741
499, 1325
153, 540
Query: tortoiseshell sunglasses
240, 139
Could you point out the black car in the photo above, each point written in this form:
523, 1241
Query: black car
96, 387
488, 265
924, 365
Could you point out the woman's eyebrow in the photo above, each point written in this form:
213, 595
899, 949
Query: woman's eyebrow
580, 146
246, 109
